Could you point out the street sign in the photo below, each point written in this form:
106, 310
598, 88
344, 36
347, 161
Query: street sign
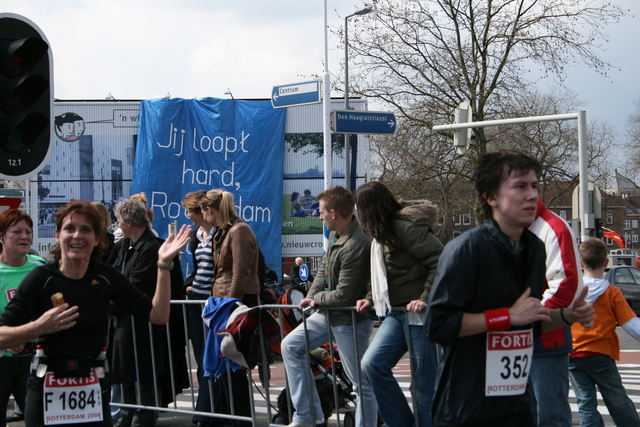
369, 122
296, 94
303, 272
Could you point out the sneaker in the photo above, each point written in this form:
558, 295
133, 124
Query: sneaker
319, 422
13, 418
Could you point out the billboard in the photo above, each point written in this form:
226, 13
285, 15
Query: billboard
95, 152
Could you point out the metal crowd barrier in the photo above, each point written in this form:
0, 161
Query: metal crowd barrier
185, 399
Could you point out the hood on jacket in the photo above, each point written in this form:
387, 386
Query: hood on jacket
415, 210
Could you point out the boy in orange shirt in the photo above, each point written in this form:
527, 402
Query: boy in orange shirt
594, 350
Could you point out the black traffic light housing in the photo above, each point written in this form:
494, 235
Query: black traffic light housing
599, 230
26, 98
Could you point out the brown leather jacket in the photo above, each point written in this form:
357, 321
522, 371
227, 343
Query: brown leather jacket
235, 253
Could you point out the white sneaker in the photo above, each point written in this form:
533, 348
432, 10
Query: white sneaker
319, 422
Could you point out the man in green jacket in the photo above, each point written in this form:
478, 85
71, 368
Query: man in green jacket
342, 279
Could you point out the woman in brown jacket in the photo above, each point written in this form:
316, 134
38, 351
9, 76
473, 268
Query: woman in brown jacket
235, 254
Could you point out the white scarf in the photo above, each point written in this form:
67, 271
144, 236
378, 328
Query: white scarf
379, 286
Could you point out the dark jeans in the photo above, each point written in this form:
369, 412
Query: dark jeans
147, 397
15, 371
238, 390
588, 372
197, 335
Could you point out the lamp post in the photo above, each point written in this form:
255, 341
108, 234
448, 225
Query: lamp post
347, 169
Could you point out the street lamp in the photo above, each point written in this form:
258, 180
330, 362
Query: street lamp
347, 169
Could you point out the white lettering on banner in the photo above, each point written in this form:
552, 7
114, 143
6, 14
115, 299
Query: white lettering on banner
72, 400
217, 144
509, 356
208, 177
173, 210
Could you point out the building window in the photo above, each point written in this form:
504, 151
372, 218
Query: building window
627, 224
634, 223
456, 234
609, 241
634, 238
466, 219
457, 218
563, 215
609, 217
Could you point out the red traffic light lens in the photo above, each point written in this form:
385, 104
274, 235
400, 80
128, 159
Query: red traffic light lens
20, 56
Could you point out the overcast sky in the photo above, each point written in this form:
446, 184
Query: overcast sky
140, 49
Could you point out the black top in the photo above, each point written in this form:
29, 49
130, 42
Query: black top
91, 294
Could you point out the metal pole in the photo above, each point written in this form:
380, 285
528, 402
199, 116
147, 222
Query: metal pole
584, 177
326, 106
347, 171
581, 117
326, 109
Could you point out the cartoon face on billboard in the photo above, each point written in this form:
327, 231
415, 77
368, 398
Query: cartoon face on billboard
69, 127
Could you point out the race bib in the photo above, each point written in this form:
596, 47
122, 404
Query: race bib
509, 357
72, 400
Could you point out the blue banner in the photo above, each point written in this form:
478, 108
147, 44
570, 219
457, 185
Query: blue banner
187, 145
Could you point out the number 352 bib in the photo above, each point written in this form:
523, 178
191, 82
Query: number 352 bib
509, 356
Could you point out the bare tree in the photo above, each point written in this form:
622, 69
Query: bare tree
421, 58
632, 144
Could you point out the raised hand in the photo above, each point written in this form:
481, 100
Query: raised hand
174, 244
583, 311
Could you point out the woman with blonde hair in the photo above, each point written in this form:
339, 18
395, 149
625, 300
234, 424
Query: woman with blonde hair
235, 255
235, 249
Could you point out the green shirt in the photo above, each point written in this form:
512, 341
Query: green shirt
10, 278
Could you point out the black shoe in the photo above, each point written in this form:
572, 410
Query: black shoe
14, 418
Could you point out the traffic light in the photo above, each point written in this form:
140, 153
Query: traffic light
26, 98
599, 231
462, 137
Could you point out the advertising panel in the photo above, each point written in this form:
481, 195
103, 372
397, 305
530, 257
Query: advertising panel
95, 152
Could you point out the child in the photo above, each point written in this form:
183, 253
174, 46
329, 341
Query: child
592, 361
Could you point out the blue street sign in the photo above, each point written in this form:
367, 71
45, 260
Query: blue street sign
303, 272
370, 122
296, 94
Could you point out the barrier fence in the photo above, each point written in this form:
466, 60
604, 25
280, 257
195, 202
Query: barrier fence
267, 384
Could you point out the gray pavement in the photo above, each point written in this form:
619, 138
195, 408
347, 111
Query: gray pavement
629, 367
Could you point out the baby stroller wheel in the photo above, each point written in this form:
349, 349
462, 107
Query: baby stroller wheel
279, 419
349, 419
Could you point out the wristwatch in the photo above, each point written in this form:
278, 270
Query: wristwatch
165, 265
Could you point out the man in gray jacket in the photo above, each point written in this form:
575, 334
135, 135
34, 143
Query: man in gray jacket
342, 279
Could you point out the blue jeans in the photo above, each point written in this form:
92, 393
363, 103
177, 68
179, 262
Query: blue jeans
388, 346
585, 374
549, 391
300, 378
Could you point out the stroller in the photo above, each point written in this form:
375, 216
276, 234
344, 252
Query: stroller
321, 366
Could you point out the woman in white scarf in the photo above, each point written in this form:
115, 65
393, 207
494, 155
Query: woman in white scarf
404, 256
